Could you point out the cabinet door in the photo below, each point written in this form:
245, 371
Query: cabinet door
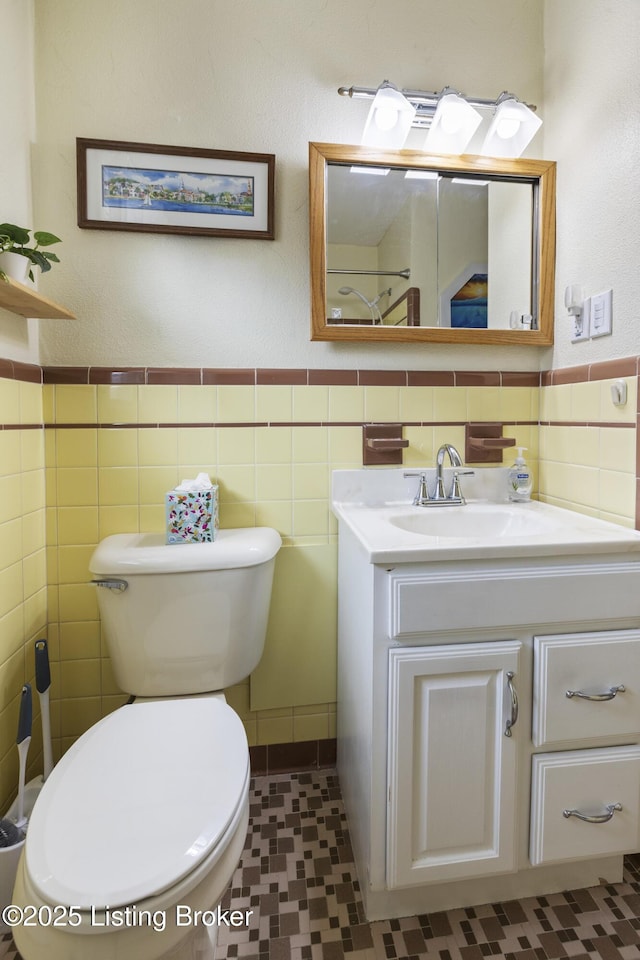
451, 762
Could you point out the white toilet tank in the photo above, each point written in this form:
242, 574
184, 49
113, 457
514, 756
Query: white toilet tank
184, 618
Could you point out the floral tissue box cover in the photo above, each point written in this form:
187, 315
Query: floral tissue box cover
192, 517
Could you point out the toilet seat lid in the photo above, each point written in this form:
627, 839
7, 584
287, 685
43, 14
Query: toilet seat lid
110, 828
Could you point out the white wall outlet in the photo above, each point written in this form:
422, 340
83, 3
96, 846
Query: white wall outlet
601, 314
581, 324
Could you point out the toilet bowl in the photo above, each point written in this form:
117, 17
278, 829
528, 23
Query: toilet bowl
138, 829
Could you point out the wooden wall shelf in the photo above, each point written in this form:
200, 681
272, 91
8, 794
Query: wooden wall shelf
27, 302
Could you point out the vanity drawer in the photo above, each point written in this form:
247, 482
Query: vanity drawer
592, 783
430, 598
601, 671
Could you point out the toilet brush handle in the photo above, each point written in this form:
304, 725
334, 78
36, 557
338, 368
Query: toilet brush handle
23, 740
46, 735
43, 682
26, 715
43, 671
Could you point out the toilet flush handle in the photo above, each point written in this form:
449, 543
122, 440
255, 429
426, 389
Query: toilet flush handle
120, 585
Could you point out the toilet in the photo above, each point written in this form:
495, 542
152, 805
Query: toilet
138, 829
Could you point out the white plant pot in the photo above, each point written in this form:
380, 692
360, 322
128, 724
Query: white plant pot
15, 266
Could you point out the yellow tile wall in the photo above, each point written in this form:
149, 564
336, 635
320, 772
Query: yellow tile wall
591, 469
23, 577
113, 480
64, 489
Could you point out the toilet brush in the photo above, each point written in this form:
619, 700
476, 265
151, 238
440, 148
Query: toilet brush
9, 833
43, 682
23, 740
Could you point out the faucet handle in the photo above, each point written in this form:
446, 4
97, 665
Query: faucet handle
456, 493
422, 496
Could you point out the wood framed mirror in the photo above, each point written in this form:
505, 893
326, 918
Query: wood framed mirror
412, 247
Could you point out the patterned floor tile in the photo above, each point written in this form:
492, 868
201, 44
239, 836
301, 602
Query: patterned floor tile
298, 878
299, 850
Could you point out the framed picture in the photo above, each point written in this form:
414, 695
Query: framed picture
463, 304
160, 189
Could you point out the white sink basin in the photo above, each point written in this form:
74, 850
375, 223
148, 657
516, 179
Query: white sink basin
376, 507
474, 521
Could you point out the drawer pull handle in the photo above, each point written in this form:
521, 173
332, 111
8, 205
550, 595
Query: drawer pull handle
511, 721
599, 697
599, 818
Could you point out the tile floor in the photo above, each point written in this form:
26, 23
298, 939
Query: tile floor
298, 877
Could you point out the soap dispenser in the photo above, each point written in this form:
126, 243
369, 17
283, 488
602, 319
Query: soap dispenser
519, 479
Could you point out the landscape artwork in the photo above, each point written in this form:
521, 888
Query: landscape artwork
159, 188
469, 304
181, 192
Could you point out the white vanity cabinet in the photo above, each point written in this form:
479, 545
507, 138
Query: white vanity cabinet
451, 800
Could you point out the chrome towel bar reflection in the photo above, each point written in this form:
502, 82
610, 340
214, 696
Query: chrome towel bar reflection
406, 273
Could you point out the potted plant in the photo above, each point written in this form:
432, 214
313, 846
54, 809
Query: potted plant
15, 242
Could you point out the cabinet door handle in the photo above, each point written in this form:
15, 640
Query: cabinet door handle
598, 818
513, 697
599, 697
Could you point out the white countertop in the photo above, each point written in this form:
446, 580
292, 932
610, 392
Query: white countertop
376, 506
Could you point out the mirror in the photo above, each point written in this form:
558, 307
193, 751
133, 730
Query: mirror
409, 247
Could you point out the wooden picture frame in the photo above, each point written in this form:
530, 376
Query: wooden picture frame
155, 188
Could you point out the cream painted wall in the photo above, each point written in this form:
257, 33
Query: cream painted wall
592, 86
246, 75
18, 337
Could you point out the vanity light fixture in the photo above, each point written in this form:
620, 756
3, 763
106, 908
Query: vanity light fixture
454, 124
512, 128
389, 120
449, 117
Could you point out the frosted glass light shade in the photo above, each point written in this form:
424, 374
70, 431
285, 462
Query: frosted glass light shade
389, 120
512, 128
454, 123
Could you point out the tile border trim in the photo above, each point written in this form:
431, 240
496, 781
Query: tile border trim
16, 370
224, 424
209, 376
258, 376
292, 757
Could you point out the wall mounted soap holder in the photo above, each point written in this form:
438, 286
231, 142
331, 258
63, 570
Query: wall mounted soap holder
382, 443
484, 443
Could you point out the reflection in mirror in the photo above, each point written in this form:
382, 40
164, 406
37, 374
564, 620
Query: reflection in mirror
485, 253
453, 249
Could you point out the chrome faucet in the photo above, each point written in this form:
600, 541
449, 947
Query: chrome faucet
456, 461
440, 498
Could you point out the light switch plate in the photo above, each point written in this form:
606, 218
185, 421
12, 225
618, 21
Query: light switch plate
601, 314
